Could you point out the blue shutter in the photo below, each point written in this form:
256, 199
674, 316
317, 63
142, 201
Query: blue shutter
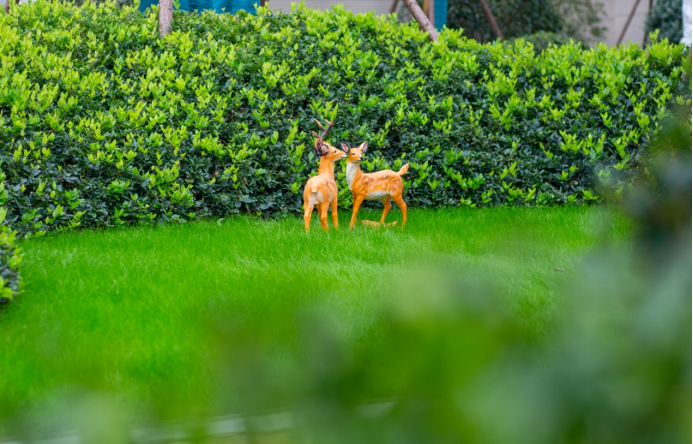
183, 5
441, 13
246, 5
200, 5
226, 5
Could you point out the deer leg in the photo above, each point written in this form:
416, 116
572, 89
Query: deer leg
357, 204
322, 212
307, 213
402, 206
335, 214
388, 205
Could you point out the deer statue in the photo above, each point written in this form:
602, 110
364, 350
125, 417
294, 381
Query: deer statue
383, 185
321, 190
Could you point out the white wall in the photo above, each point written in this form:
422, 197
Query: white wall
687, 6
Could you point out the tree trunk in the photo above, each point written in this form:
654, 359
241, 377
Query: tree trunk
165, 17
421, 18
491, 20
432, 12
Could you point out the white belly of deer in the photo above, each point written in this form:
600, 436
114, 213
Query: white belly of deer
375, 195
319, 198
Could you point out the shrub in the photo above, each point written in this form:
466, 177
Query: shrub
667, 17
515, 18
104, 124
9, 252
582, 19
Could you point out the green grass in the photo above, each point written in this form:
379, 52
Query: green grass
125, 310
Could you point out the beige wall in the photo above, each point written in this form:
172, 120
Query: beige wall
356, 6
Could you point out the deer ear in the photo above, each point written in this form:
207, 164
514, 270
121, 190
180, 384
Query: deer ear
345, 147
364, 146
324, 149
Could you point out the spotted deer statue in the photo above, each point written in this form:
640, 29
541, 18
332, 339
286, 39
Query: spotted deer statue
321, 190
384, 185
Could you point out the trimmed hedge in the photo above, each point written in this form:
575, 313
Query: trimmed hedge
104, 124
10, 255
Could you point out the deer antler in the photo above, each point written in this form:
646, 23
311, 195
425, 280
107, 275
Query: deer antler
324, 131
318, 143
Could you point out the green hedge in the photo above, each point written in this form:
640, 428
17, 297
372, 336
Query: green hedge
542, 40
104, 124
515, 18
10, 256
667, 17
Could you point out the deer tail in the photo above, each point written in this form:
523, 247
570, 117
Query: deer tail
314, 189
402, 171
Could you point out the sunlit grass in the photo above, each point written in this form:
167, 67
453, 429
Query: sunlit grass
124, 310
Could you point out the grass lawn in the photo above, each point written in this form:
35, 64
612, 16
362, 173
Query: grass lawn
125, 310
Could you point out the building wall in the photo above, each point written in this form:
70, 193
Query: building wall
617, 12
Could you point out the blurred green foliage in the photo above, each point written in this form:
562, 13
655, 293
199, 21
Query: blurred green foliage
667, 17
515, 18
579, 20
582, 19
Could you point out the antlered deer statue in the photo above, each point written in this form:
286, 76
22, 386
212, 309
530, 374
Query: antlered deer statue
321, 190
383, 185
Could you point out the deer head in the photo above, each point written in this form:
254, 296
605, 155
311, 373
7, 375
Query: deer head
325, 149
355, 154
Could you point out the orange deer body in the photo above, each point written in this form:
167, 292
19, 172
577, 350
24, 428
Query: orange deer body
385, 185
321, 190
